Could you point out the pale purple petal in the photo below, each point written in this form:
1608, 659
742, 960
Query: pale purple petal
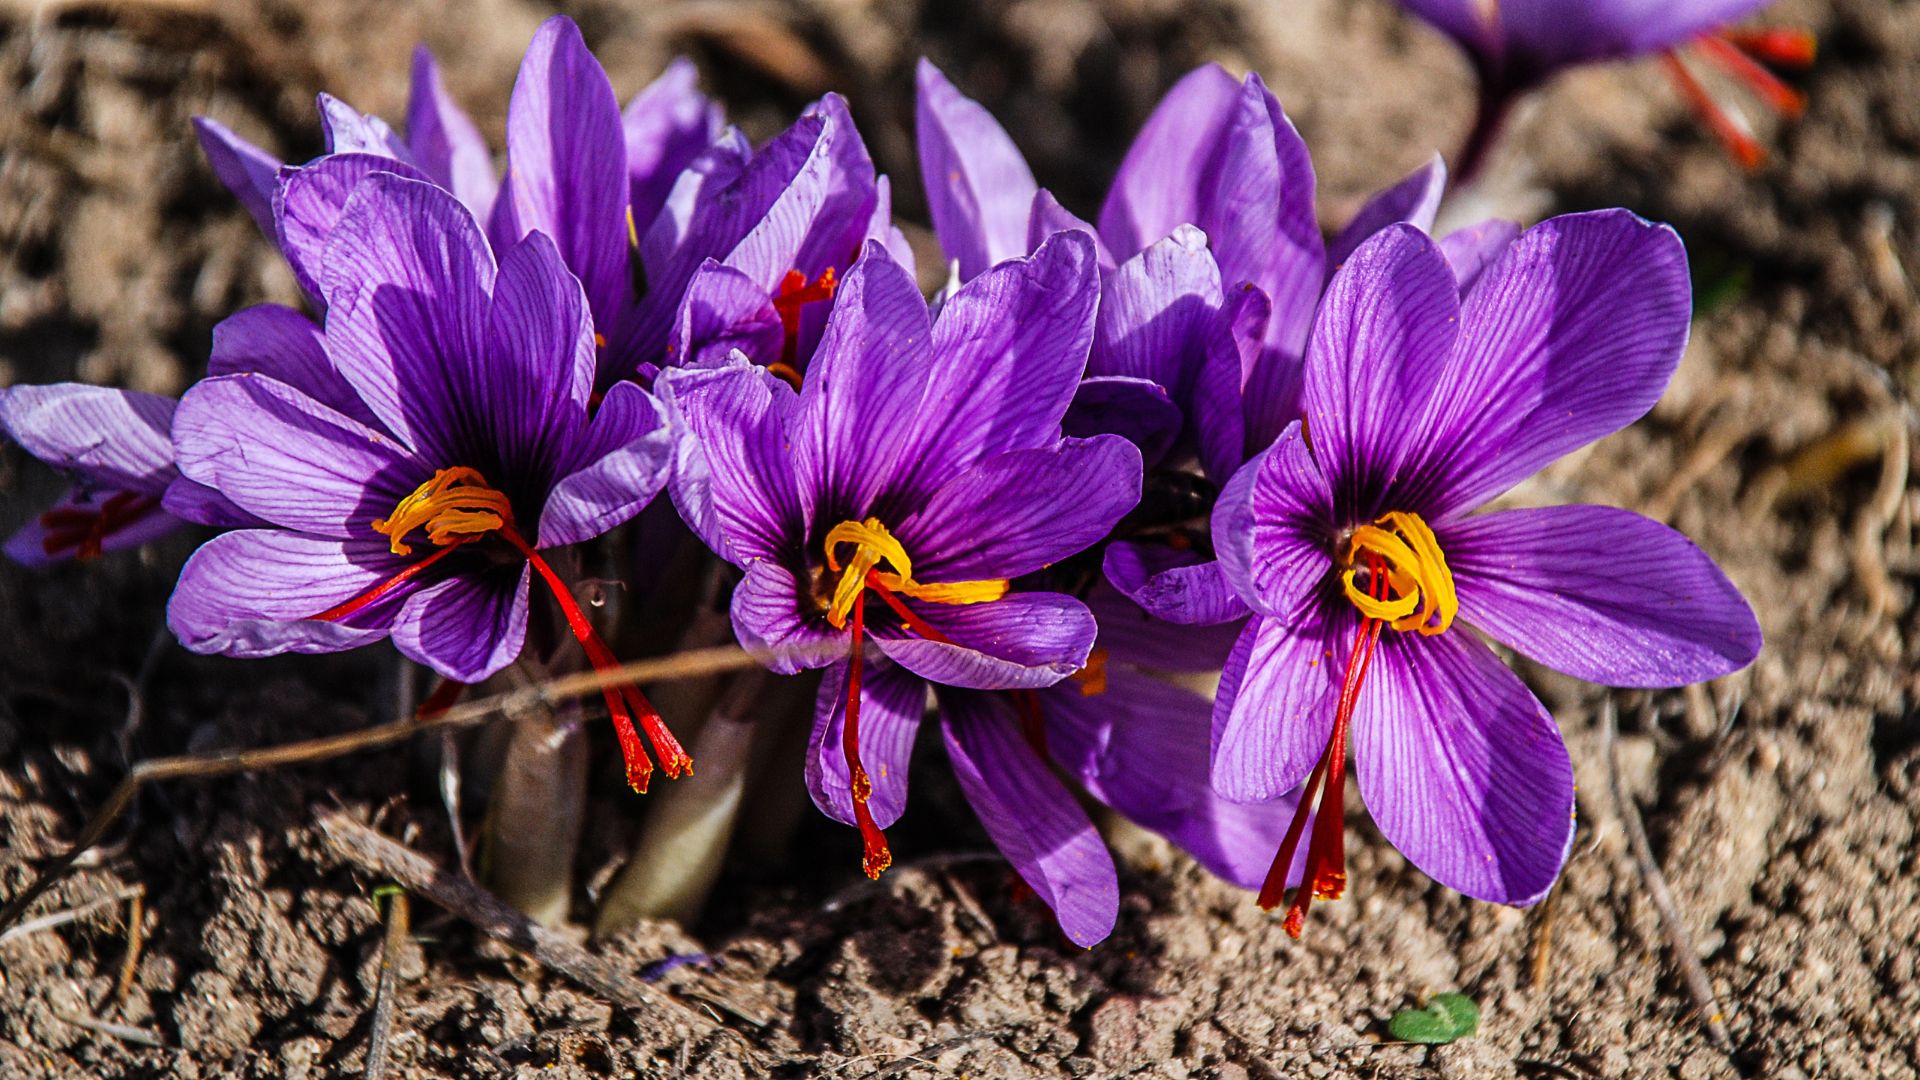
1158, 187
667, 125
1048, 217
281, 343
893, 701
1031, 816
775, 617
839, 228
1414, 200
1275, 707
566, 165
444, 141
733, 480
252, 593
116, 438
408, 278
1012, 514
1022, 641
466, 628
1472, 249
1602, 594
308, 202
285, 458
725, 310
350, 131
1138, 747
1156, 312
1571, 335
979, 188
1273, 527
617, 467
1462, 768
1179, 586
247, 171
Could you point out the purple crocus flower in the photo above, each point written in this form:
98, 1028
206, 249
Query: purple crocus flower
415, 496
1354, 540
1516, 46
921, 464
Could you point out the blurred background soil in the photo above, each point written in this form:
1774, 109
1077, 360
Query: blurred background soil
1782, 801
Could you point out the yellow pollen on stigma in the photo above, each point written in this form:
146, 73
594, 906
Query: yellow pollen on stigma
455, 507
874, 545
1420, 594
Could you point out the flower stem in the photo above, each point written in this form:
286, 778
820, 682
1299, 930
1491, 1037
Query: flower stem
535, 814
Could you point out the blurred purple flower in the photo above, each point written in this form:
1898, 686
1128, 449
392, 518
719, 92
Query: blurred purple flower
457, 418
1420, 406
921, 462
1516, 46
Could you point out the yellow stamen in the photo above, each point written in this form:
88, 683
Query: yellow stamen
874, 545
455, 507
1420, 587
1092, 679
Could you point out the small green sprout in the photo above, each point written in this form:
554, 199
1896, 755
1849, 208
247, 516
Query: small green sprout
1446, 1018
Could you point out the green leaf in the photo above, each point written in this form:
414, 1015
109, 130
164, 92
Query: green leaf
1447, 1017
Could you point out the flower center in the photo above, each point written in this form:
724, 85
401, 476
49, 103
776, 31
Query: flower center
458, 507
796, 292
874, 545
1417, 592
455, 507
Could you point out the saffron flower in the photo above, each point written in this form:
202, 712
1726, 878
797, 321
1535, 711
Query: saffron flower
897, 497
1517, 46
1354, 540
419, 495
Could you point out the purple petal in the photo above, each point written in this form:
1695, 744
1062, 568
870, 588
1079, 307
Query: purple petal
202, 505
116, 438
444, 141
1177, 586
1472, 249
1219, 410
1048, 217
733, 480
1014, 513
618, 466
466, 628
287, 459
775, 617
1137, 747
283, 344
725, 310
1156, 311
566, 165
1138, 410
308, 203
839, 228
1521, 44
1571, 335
527, 404
1158, 187
252, 593
1132, 636
1413, 201
1031, 816
1462, 769
1275, 707
247, 171
408, 278
1601, 594
1022, 641
979, 188
350, 131
798, 225
1273, 527
1011, 346
892, 703
667, 125
1259, 215
863, 397
881, 229
1382, 344
28, 545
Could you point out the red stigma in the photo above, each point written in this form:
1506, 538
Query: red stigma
1033, 721
1743, 56
794, 293
1326, 876
85, 532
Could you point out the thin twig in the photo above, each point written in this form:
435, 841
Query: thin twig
1679, 940
72, 914
399, 925
124, 1032
1543, 940
514, 705
136, 941
386, 858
